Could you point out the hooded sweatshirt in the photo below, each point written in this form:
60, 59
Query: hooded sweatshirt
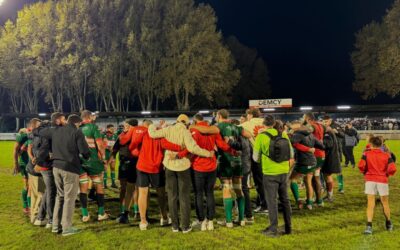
302, 141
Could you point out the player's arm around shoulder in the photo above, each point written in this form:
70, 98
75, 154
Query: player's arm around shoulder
157, 133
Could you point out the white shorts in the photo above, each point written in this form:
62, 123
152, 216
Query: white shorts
376, 188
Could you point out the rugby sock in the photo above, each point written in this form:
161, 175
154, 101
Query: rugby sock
340, 181
113, 177
295, 190
228, 209
369, 224
241, 202
92, 193
105, 178
100, 203
122, 208
135, 209
83, 200
24, 198
29, 201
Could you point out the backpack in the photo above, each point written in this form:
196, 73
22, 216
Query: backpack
279, 148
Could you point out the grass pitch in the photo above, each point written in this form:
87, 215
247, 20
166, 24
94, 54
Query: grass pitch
337, 226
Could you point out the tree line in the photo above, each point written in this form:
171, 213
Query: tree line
115, 55
376, 58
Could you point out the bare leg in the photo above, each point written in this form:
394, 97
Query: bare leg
386, 208
370, 207
143, 194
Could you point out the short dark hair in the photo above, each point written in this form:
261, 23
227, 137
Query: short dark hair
74, 119
255, 112
55, 116
223, 113
269, 121
133, 122
310, 116
376, 141
279, 126
235, 122
326, 117
110, 126
86, 114
198, 117
147, 122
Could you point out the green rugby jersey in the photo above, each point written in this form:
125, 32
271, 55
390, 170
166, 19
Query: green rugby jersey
92, 133
233, 132
22, 140
110, 140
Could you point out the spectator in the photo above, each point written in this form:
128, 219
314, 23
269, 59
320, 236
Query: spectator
68, 142
376, 166
43, 164
177, 172
275, 173
36, 184
351, 139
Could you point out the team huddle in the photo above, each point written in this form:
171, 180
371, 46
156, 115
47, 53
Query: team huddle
65, 160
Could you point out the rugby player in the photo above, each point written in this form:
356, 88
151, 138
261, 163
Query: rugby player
21, 160
92, 168
230, 168
110, 137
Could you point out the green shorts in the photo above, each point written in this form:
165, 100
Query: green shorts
23, 172
304, 169
230, 170
320, 162
92, 168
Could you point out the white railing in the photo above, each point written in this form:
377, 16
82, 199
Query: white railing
7, 136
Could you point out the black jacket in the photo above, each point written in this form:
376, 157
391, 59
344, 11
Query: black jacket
124, 152
246, 155
332, 154
67, 144
41, 146
307, 139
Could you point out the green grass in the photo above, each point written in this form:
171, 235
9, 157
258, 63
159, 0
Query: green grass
337, 226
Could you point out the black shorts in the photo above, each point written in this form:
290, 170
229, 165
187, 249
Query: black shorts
150, 180
127, 170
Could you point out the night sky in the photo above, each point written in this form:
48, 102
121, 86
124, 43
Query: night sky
306, 44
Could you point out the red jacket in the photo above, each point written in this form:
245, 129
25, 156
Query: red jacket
132, 134
207, 142
377, 166
319, 135
151, 151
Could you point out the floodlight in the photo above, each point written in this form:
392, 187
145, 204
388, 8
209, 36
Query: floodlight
343, 107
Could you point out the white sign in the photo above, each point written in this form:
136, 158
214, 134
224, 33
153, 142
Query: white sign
271, 103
